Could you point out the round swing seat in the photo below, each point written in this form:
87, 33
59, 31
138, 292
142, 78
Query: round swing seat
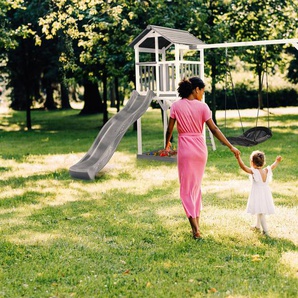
252, 137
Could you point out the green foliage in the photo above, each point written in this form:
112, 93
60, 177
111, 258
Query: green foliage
262, 20
7, 33
210, 24
88, 40
266, 20
292, 70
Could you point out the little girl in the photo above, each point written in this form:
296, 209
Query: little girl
260, 201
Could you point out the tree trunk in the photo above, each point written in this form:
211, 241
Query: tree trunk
213, 90
105, 99
64, 97
117, 94
28, 90
19, 97
73, 93
28, 110
112, 93
93, 103
50, 104
213, 98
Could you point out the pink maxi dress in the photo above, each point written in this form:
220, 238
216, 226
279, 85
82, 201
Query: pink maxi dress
190, 116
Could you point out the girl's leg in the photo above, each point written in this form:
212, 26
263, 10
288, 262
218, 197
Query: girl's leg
258, 223
264, 223
257, 226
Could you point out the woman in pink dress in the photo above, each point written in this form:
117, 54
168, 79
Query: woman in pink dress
191, 114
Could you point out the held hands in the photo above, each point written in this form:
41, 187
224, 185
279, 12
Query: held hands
235, 151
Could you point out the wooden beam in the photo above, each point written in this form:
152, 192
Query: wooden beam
248, 43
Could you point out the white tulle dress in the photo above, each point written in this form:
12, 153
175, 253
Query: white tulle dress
260, 199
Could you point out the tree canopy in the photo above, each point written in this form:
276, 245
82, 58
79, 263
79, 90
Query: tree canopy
85, 42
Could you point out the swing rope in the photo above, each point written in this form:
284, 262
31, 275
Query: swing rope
257, 134
267, 88
229, 75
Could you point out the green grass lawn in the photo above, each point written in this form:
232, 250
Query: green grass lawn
125, 234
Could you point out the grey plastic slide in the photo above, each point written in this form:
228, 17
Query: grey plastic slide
110, 136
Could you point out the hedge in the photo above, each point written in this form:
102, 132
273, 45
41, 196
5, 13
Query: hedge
249, 98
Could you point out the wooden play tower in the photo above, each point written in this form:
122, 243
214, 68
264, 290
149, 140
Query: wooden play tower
164, 56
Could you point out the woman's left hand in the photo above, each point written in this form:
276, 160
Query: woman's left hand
235, 151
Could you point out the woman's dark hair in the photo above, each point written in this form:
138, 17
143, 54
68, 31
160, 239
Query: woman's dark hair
197, 82
186, 86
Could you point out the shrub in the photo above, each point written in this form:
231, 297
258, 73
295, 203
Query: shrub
247, 99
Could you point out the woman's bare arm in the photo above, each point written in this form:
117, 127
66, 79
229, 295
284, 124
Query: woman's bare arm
221, 137
169, 133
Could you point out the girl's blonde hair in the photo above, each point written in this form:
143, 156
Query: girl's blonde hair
258, 158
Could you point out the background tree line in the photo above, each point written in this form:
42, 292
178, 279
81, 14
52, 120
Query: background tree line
65, 44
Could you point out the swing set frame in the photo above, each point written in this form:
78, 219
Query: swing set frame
257, 134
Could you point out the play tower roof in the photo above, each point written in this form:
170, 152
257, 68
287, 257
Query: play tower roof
167, 37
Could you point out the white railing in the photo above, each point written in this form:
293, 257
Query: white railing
189, 69
167, 75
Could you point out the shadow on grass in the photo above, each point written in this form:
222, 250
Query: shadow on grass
28, 197
281, 244
59, 175
5, 169
16, 182
120, 242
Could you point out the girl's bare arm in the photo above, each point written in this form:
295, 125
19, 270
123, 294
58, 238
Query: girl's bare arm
277, 161
243, 166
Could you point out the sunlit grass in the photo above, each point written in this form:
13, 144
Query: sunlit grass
125, 234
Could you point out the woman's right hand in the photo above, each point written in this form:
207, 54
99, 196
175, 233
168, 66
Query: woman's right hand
168, 146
